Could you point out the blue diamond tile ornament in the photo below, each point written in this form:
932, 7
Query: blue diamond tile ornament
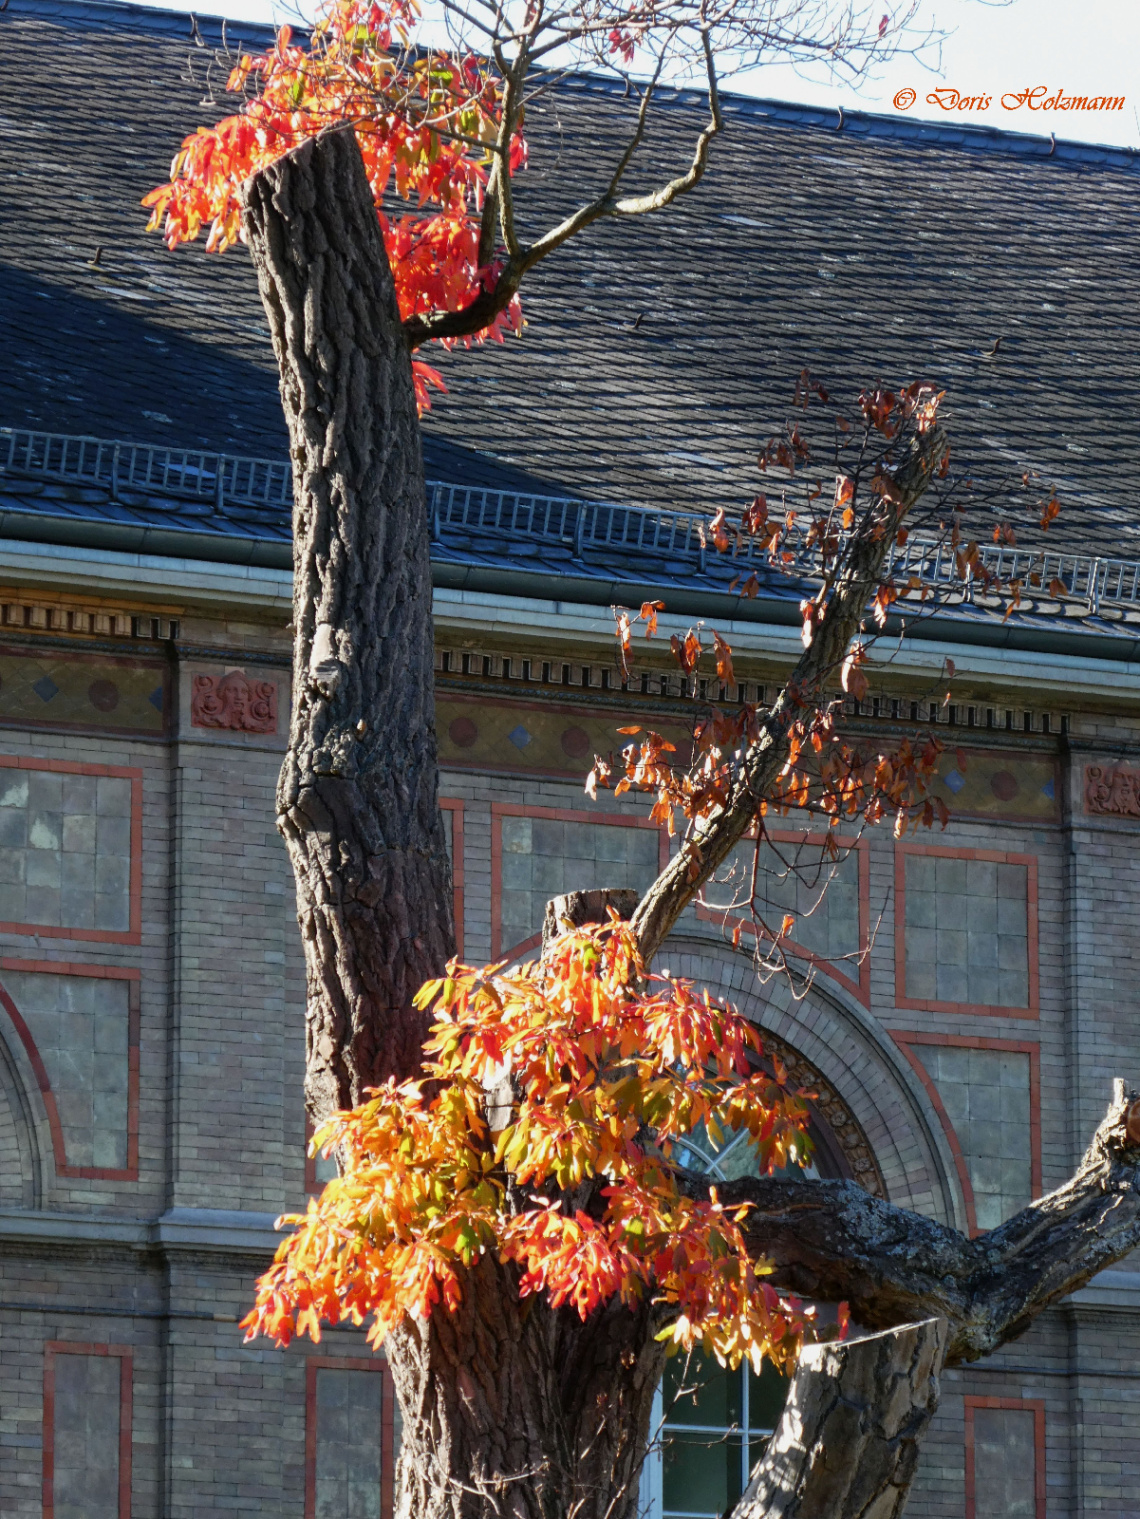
45, 688
954, 781
155, 699
1047, 790
519, 737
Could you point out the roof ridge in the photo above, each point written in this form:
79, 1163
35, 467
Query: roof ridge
969, 136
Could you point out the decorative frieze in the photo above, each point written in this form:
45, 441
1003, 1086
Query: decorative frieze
96, 621
1112, 792
234, 702
457, 667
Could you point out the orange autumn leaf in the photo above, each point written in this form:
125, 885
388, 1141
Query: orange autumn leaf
613, 1070
423, 120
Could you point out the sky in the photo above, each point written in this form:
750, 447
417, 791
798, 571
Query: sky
1001, 50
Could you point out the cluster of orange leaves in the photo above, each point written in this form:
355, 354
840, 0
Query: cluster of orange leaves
424, 121
609, 1081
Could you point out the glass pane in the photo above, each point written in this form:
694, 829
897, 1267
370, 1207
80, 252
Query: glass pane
349, 1439
701, 1473
767, 1394
696, 1391
757, 1445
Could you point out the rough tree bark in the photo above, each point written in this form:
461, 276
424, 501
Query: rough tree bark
516, 1410
357, 799
511, 1408
848, 1443
832, 1241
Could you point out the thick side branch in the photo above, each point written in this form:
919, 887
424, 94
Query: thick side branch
489, 303
832, 1241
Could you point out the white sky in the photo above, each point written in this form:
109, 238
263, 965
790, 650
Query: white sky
1080, 47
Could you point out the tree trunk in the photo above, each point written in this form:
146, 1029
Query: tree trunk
848, 1443
357, 799
581, 907
516, 1410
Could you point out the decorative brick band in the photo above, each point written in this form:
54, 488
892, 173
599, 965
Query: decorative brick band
841, 1124
1112, 792
457, 667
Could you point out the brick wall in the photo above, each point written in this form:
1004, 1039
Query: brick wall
196, 996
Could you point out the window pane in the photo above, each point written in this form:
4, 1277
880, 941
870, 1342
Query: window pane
702, 1473
81, 1027
1005, 1484
66, 845
348, 1444
85, 1457
695, 1391
767, 1394
705, 1463
986, 1097
545, 857
827, 920
967, 934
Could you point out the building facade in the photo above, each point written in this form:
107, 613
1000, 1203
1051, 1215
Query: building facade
972, 991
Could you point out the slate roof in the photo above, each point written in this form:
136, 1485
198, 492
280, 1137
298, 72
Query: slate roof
660, 352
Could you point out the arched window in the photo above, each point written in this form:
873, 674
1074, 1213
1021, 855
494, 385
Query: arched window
710, 1425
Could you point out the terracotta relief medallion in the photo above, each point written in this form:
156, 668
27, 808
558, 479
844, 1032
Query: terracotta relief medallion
1112, 792
235, 702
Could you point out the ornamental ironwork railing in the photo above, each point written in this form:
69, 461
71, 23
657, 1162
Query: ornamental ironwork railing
575, 528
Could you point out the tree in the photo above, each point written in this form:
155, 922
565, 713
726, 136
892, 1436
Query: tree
520, 1404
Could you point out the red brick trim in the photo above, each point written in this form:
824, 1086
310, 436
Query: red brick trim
379, 1365
454, 805
906, 1039
860, 988
132, 935
501, 810
72, 968
1035, 1406
55, 1348
997, 857
129, 1172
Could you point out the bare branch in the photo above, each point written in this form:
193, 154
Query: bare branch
714, 837
487, 305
